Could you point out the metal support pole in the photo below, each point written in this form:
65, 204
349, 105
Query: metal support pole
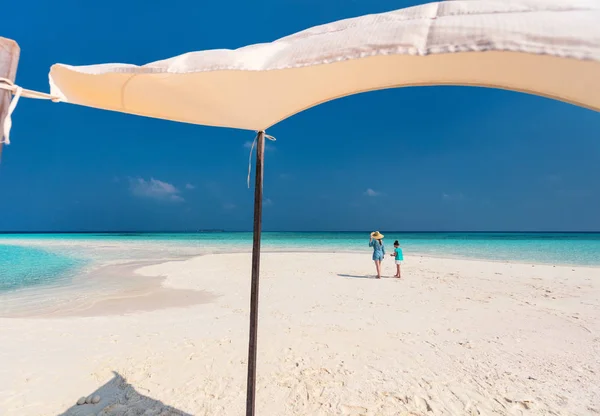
252, 347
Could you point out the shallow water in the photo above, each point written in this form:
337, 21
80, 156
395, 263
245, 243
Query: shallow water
22, 266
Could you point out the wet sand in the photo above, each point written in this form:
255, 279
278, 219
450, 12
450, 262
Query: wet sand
108, 290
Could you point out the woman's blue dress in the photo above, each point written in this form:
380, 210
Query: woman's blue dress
378, 249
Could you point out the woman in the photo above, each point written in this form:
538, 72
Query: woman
376, 241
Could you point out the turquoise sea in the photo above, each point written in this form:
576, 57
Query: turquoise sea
28, 260
25, 266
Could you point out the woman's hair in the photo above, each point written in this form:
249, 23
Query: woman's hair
380, 241
396, 243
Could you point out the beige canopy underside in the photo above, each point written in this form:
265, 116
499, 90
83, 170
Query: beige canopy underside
549, 48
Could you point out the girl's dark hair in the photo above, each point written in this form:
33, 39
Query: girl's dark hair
396, 243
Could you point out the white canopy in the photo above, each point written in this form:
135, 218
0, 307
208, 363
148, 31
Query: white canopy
544, 47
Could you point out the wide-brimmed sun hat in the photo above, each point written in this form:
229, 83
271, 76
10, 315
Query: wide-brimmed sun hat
377, 235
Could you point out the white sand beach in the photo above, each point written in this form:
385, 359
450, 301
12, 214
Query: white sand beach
452, 337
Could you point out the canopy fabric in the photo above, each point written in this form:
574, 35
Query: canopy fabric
549, 48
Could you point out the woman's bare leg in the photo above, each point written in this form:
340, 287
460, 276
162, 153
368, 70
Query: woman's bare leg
399, 276
378, 267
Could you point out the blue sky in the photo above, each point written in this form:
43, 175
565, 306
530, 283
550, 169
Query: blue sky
435, 158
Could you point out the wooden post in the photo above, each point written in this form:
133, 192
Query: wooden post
258, 197
9, 58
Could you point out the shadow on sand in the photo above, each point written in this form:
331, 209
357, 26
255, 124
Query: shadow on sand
118, 398
356, 276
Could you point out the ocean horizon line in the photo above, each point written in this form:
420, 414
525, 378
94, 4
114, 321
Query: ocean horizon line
207, 231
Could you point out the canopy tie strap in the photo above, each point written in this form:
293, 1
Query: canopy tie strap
18, 92
5, 139
267, 136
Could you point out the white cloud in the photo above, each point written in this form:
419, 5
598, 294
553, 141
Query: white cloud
189, 186
229, 206
371, 192
267, 202
154, 189
453, 197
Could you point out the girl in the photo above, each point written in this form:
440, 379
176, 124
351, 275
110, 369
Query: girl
399, 257
376, 241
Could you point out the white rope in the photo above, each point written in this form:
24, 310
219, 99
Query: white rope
18, 92
267, 136
7, 84
8, 119
250, 159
